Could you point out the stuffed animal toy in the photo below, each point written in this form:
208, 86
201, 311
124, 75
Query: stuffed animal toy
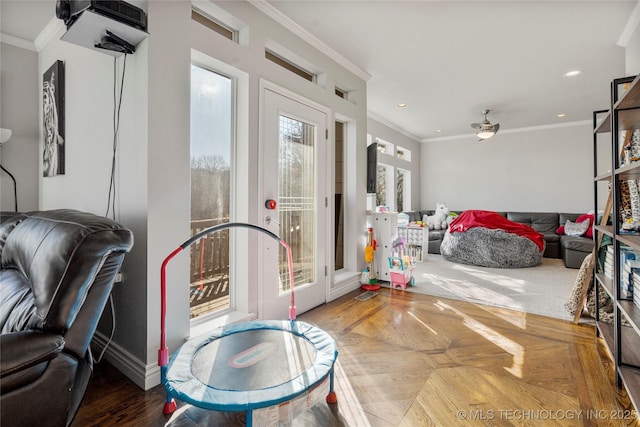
438, 221
450, 218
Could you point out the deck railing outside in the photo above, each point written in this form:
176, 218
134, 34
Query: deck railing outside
209, 265
209, 268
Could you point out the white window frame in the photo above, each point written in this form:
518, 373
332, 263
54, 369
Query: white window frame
238, 294
406, 188
389, 178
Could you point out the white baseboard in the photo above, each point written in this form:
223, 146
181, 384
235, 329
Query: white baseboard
344, 283
145, 376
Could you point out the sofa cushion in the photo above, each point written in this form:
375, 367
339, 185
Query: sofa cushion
414, 216
436, 234
579, 244
544, 222
17, 305
551, 238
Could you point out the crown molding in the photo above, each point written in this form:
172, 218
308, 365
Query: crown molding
517, 130
632, 25
52, 29
392, 126
18, 42
305, 35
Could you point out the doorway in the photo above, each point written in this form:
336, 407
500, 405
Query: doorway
294, 173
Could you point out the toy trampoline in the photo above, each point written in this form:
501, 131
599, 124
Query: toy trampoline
249, 366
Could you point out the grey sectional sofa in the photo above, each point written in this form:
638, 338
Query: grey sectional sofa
572, 250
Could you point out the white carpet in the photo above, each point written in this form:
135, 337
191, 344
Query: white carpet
539, 290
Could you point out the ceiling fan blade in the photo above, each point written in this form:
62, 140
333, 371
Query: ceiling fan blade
485, 127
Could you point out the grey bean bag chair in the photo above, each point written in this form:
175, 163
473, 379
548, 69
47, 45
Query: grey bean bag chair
486, 247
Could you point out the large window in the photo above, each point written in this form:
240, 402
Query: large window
211, 141
393, 183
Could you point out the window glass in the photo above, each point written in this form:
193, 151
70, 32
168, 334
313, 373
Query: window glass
403, 190
211, 140
381, 185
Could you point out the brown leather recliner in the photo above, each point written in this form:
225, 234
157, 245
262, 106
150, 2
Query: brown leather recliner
57, 269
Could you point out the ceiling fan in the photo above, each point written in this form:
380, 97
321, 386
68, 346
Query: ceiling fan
485, 129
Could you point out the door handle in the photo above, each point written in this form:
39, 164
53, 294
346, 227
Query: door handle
268, 220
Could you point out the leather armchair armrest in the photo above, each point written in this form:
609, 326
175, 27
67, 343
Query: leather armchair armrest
21, 350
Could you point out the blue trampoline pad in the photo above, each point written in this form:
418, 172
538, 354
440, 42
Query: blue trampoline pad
250, 365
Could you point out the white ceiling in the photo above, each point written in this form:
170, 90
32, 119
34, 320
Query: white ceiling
448, 60
25, 19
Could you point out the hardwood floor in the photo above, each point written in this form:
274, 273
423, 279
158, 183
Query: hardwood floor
407, 359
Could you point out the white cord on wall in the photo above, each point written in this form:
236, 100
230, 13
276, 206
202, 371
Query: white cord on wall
113, 330
111, 202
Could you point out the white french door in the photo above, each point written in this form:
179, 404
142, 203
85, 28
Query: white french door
294, 171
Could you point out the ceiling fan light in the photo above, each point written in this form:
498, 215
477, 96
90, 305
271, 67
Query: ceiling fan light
485, 134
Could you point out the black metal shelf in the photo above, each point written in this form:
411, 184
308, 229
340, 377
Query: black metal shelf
606, 283
630, 171
605, 229
627, 119
631, 380
622, 338
604, 125
631, 240
607, 333
632, 313
631, 98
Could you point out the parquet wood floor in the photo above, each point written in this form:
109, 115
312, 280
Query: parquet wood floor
408, 359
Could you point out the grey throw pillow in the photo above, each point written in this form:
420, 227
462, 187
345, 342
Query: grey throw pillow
576, 228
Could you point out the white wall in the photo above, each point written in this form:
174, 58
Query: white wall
632, 50
19, 112
399, 139
545, 170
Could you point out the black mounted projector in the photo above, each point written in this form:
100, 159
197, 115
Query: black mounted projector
70, 10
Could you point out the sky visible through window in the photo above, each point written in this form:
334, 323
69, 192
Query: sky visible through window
210, 114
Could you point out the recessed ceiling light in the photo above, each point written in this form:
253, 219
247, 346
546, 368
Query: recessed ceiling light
401, 105
561, 115
438, 130
572, 73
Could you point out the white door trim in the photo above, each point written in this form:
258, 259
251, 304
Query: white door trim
265, 85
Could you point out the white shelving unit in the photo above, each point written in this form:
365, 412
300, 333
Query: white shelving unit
417, 241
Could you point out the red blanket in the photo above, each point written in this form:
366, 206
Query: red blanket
492, 220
